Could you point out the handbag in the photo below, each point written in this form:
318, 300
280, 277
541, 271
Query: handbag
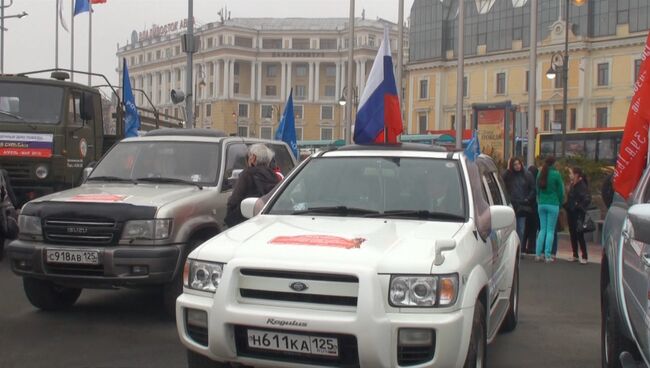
585, 224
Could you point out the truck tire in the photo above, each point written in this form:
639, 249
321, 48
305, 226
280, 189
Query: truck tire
47, 296
173, 289
512, 317
612, 340
195, 360
476, 354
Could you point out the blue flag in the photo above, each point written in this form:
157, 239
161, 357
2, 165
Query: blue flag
131, 117
287, 128
473, 149
81, 6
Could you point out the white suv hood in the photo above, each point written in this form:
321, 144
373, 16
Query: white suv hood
386, 245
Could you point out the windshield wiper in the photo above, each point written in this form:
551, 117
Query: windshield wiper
420, 214
7, 113
170, 180
336, 210
111, 178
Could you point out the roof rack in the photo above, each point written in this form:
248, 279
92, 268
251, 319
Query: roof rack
166, 132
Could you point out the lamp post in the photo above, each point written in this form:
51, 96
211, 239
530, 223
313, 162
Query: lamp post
560, 59
236, 121
343, 102
198, 84
3, 29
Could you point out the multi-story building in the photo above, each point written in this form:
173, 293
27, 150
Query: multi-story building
245, 69
606, 39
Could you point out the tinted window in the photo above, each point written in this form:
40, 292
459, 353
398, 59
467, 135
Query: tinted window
235, 160
25, 103
494, 189
282, 158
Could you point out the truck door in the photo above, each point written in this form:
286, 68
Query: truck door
80, 145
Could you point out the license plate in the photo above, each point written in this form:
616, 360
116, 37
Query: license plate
301, 344
84, 257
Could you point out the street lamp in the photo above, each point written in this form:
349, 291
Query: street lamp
3, 29
343, 101
560, 59
199, 83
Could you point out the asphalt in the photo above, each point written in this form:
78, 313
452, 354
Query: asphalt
559, 325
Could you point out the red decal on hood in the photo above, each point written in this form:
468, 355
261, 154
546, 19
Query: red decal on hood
104, 198
319, 240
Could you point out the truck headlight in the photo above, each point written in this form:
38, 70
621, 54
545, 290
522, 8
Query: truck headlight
423, 291
30, 225
202, 276
147, 229
41, 171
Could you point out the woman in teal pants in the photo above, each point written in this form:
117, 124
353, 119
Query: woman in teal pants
550, 194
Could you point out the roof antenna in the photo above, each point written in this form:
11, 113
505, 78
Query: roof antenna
363, 14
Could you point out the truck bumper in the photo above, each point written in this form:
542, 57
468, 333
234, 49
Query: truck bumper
119, 266
367, 338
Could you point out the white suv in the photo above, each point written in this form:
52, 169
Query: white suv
370, 256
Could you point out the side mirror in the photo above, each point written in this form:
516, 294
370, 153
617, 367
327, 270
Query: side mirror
85, 173
86, 108
502, 217
248, 207
639, 219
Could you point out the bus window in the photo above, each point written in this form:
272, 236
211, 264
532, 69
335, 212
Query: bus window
546, 148
606, 149
590, 149
575, 147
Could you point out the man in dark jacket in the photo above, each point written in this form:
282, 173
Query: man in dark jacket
256, 180
521, 186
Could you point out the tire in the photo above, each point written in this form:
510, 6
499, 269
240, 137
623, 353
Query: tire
47, 296
476, 354
196, 360
174, 289
612, 341
512, 316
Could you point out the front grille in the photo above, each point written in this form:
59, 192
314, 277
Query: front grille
74, 231
17, 171
318, 288
347, 344
414, 355
72, 269
198, 334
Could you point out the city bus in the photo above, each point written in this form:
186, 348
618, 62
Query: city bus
430, 139
598, 144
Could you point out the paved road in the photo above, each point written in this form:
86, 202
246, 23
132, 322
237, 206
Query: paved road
559, 326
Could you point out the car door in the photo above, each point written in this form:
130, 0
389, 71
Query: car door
234, 162
499, 236
80, 145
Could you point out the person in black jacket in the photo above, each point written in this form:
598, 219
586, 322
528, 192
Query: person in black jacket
607, 190
521, 186
529, 242
576, 205
256, 180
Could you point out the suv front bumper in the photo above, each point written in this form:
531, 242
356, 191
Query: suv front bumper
120, 266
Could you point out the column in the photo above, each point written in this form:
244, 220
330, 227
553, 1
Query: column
338, 81
217, 78
252, 80
344, 78
259, 80
231, 91
310, 91
317, 84
183, 78
362, 82
357, 74
226, 79
289, 78
283, 80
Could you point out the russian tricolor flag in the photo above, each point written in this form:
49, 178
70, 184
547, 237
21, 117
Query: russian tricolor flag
379, 109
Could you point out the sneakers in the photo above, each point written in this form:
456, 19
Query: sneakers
583, 261
572, 259
538, 258
549, 260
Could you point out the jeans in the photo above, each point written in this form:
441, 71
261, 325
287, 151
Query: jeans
548, 214
577, 237
530, 233
521, 226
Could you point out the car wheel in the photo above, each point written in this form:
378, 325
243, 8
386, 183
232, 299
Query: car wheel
512, 317
196, 360
612, 341
476, 354
173, 289
47, 296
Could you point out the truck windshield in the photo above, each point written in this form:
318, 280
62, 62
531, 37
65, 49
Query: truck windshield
167, 162
390, 187
30, 103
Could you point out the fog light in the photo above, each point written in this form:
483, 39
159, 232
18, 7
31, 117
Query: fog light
23, 265
197, 318
41, 171
139, 270
415, 337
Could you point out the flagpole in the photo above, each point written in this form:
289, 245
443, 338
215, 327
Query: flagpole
400, 53
56, 35
90, 41
460, 74
350, 87
72, 40
532, 86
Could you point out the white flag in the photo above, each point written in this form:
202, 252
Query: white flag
60, 6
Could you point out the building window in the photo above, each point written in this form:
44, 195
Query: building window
208, 110
328, 43
301, 71
424, 89
243, 41
158, 54
465, 86
371, 40
330, 91
148, 56
558, 118
301, 92
235, 88
326, 112
177, 50
132, 61
210, 42
422, 123
270, 91
601, 117
501, 83
272, 43
603, 74
140, 58
573, 119
242, 131
330, 71
236, 69
298, 111
266, 132
267, 112
300, 44
547, 120
527, 80
637, 69
272, 71
298, 133
243, 110
326, 134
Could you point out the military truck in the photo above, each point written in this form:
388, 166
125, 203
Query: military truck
51, 129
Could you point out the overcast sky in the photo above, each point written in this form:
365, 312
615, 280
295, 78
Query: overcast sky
29, 42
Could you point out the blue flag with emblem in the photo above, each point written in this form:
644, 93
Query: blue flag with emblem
473, 149
131, 117
287, 128
81, 6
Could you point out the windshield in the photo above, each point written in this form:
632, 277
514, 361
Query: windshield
30, 103
191, 162
376, 187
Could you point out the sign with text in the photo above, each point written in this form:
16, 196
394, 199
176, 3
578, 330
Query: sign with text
26, 145
491, 132
162, 30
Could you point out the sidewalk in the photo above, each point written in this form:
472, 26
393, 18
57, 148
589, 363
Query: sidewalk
594, 250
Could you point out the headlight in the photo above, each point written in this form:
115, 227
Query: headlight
41, 171
147, 229
30, 225
423, 291
203, 276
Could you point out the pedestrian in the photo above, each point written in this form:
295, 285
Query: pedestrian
520, 184
576, 205
607, 190
529, 243
550, 194
256, 180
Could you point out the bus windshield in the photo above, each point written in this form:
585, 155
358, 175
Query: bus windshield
30, 103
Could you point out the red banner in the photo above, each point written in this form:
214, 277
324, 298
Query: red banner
633, 155
319, 240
